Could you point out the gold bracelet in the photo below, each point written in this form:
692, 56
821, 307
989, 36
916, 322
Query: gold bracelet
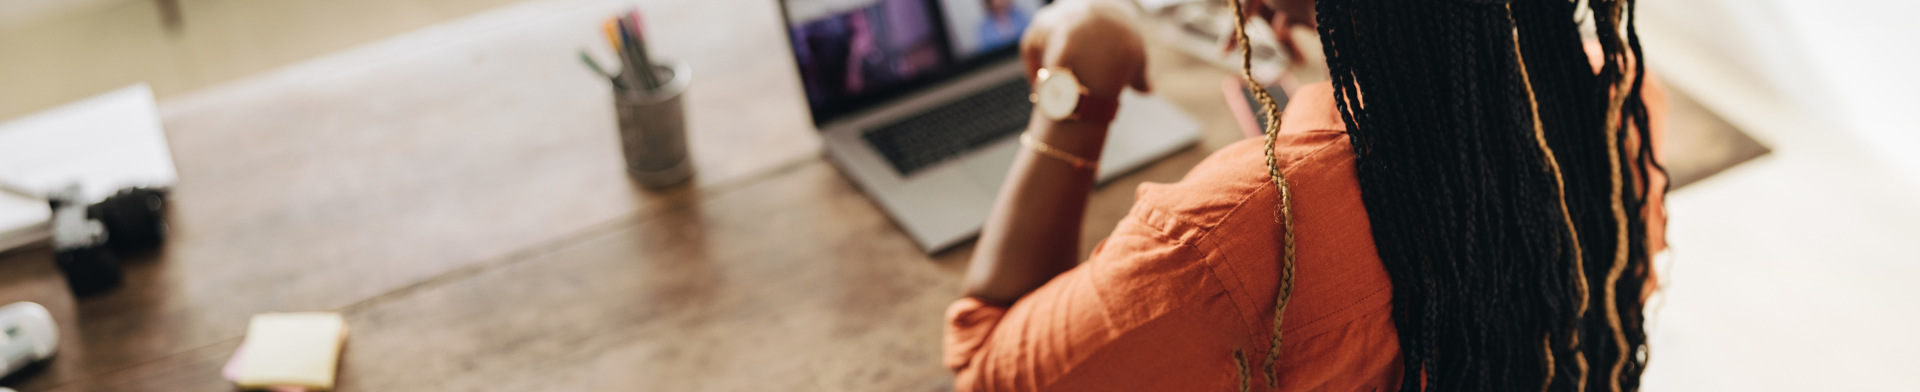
1026, 139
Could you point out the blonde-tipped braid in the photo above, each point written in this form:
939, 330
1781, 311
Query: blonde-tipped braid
1619, 209
1560, 193
1271, 110
1546, 346
1246, 378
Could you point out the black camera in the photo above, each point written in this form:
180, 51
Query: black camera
88, 239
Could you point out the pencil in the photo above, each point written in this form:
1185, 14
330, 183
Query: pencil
639, 46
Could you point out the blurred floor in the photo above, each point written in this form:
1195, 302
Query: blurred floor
62, 50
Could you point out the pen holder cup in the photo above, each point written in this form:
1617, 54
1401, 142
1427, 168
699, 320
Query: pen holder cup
653, 128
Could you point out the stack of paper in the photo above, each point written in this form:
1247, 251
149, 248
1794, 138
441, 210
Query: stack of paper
286, 352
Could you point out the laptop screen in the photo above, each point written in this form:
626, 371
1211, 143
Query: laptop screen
853, 54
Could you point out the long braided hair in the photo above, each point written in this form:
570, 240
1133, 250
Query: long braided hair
1505, 196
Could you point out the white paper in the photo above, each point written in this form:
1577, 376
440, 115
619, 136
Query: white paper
103, 143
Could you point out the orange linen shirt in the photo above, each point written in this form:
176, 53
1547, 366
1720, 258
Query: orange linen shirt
1191, 273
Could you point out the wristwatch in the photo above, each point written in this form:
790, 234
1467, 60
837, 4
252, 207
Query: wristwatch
1060, 97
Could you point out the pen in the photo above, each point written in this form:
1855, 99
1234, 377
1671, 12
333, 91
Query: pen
597, 69
612, 30
639, 47
613, 37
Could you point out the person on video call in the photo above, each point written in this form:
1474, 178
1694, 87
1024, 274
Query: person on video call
1003, 24
1435, 217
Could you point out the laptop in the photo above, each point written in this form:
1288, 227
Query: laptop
921, 103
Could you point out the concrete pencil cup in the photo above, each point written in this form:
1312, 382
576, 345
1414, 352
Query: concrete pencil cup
653, 128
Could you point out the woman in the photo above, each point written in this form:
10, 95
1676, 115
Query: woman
1438, 216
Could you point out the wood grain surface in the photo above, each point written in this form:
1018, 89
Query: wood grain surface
458, 193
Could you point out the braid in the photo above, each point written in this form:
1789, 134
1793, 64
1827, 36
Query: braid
1625, 107
1639, 262
1284, 214
1553, 165
1240, 359
1494, 165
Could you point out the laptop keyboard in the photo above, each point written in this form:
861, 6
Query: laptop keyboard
945, 132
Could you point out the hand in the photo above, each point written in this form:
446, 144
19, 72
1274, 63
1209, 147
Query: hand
1094, 39
1286, 13
1283, 15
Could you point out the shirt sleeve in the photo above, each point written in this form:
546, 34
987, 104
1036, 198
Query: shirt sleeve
969, 321
1028, 345
1136, 292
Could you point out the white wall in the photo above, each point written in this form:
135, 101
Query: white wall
1847, 66
1796, 271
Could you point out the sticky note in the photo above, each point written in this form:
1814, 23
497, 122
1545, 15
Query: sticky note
291, 349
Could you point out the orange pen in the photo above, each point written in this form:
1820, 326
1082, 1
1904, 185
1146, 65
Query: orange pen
613, 37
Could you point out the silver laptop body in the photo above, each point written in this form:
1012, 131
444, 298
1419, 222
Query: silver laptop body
945, 203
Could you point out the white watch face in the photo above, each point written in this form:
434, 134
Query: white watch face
1058, 95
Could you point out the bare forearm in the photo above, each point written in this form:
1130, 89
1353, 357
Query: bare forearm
1033, 232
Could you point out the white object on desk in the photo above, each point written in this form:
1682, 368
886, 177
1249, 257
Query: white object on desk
27, 335
104, 143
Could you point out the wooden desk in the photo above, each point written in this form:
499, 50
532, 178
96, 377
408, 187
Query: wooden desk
457, 192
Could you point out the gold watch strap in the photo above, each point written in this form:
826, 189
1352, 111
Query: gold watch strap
1026, 139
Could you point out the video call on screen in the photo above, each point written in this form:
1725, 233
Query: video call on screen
847, 48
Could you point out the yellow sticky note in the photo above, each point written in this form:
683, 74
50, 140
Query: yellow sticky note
292, 349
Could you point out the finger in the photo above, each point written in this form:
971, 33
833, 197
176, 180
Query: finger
1283, 34
1232, 42
1254, 9
1033, 50
1140, 76
1140, 80
1033, 42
